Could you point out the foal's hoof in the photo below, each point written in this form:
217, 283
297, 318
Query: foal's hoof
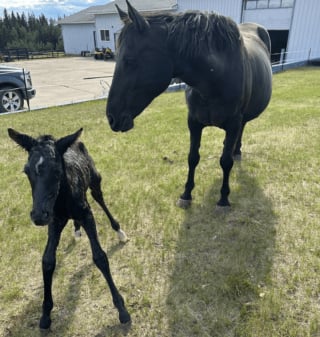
122, 236
45, 323
124, 317
77, 233
182, 203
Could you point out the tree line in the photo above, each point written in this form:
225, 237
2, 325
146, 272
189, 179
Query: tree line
27, 31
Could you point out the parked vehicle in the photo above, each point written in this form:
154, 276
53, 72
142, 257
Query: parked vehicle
15, 88
103, 54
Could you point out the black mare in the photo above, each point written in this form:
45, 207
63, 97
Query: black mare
60, 172
226, 66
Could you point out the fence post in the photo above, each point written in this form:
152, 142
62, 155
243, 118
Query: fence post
309, 55
25, 88
282, 57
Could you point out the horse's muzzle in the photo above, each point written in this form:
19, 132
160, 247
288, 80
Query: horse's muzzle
40, 218
123, 125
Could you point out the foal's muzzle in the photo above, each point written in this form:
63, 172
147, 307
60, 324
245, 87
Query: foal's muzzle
40, 218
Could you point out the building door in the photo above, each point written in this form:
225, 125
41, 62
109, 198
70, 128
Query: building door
279, 40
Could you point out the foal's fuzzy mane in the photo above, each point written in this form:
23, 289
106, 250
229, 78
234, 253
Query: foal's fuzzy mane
194, 33
46, 138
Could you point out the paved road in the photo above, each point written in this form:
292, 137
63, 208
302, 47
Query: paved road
67, 80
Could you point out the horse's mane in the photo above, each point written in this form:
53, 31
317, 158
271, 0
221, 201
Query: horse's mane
194, 32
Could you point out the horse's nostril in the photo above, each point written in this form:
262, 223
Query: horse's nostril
45, 215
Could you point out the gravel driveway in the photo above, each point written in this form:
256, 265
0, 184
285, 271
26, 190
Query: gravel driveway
68, 80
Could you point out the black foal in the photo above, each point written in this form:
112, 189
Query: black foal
60, 172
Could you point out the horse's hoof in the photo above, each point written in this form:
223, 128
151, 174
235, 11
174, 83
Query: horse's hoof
124, 317
237, 157
182, 203
223, 209
122, 236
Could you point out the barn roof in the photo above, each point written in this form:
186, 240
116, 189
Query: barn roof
87, 15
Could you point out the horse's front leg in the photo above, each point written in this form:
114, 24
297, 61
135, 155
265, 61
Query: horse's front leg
48, 267
195, 129
226, 160
101, 261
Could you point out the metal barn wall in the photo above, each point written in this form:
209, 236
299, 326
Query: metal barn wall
304, 35
271, 18
231, 8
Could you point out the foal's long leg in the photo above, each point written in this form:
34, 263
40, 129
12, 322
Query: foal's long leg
48, 267
226, 160
101, 261
96, 192
195, 129
77, 230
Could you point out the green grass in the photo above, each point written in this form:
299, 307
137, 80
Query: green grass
252, 272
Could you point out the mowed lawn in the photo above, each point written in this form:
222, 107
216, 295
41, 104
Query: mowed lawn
251, 272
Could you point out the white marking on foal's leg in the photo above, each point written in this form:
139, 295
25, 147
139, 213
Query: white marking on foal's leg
77, 233
122, 236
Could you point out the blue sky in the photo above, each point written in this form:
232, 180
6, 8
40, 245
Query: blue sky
50, 8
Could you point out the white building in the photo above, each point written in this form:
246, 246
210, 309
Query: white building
293, 25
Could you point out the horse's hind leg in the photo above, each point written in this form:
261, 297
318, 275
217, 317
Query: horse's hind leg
96, 192
101, 261
195, 129
237, 151
226, 161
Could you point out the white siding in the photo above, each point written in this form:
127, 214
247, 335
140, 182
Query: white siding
304, 35
77, 37
302, 21
109, 22
231, 8
272, 19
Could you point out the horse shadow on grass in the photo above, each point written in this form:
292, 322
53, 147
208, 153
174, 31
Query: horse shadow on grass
26, 323
223, 261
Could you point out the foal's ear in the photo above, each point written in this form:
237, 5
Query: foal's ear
138, 20
25, 141
65, 142
123, 15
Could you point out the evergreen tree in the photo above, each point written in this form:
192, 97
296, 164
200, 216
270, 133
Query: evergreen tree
27, 31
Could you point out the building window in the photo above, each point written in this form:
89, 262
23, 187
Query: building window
261, 4
104, 35
287, 3
274, 3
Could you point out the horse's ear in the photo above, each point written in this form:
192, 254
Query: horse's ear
65, 142
138, 20
25, 141
123, 15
